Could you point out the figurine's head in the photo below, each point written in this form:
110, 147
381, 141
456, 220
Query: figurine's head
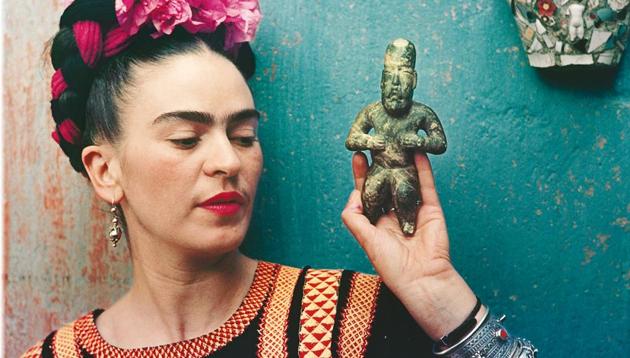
399, 77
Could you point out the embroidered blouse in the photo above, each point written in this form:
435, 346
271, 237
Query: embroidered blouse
287, 312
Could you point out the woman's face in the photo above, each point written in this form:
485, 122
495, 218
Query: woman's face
189, 133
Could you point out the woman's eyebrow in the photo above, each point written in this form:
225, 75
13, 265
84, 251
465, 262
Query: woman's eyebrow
192, 116
242, 115
205, 117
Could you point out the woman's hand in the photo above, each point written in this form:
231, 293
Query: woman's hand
417, 269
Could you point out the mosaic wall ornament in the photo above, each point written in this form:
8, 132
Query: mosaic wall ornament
572, 32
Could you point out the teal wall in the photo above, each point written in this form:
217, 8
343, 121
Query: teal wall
533, 184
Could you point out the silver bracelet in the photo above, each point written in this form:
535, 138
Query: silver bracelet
489, 340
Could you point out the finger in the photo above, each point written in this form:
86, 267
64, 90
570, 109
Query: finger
427, 183
358, 224
359, 170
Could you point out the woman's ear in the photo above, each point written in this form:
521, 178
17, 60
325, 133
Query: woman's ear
103, 168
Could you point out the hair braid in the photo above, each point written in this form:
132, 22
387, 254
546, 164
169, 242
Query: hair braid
89, 41
76, 50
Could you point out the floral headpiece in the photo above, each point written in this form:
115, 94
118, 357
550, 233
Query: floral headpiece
241, 17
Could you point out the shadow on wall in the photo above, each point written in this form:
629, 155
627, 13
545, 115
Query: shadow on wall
579, 78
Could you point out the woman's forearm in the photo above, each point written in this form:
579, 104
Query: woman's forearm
438, 304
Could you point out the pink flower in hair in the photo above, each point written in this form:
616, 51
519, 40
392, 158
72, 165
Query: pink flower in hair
207, 15
242, 21
168, 14
241, 17
163, 14
132, 14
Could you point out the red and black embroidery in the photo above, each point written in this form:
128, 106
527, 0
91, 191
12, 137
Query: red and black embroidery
275, 318
287, 313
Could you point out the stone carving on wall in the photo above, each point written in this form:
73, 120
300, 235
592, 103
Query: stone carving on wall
572, 32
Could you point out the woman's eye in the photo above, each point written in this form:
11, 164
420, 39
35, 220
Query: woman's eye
244, 141
185, 143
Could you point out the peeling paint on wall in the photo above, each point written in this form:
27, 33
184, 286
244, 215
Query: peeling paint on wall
57, 264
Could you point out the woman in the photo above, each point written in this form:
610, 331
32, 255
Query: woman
151, 104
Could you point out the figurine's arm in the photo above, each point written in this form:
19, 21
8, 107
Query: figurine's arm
435, 141
358, 138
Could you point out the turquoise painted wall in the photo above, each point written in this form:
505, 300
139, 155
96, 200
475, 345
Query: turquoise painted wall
533, 184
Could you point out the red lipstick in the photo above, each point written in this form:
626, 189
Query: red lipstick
224, 204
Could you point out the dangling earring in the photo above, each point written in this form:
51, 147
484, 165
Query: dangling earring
115, 233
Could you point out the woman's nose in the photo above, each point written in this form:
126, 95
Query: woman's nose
222, 159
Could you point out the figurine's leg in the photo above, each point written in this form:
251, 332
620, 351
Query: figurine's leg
405, 192
375, 193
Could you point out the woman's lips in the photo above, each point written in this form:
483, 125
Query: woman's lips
224, 209
224, 204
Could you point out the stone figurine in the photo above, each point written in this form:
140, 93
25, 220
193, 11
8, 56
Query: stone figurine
392, 179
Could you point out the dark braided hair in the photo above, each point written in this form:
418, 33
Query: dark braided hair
92, 63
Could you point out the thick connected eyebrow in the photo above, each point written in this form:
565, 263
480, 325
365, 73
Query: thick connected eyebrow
243, 115
192, 116
205, 117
